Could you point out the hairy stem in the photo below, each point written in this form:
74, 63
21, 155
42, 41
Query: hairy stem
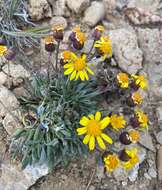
57, 52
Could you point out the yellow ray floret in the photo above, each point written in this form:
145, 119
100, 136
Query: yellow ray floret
137, 98
140, 80
111, 162
3, 49
133, 158
104, 47
93, 127
123, 80
142, 118
77, 68
117, 122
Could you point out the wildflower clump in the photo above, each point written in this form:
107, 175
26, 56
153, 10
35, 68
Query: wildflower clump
84, 103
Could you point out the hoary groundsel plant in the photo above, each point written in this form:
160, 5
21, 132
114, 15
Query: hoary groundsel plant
65, 116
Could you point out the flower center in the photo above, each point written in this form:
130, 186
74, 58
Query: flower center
93, 128
79, 64
3, 49
66, 55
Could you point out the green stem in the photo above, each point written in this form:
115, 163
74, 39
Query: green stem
89, 53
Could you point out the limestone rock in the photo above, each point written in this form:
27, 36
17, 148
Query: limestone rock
159, 137
8, 101
146, 141
78, 6
16, 71
11, 122
13, 177
39, 10
126, 51
3, 78
120, 174
21, 91
159, 113
58, 20
94, 13
159, 163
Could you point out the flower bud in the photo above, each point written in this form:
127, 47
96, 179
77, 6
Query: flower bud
98, 32
134, 99
77, 45
58, 32
134, 122
10, 54
134, 85
72, 36
123, 156
124, 138
2, 41
49, 44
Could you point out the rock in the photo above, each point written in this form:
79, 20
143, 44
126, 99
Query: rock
17, 71
100, 172
120, 174
149, 5
159, 137
58, 20
152, 172
92, 187
94, 13
146, 141
11, 122
8, 101
39, 10
3, 78
159, 113
150, 38
59, 8
159, 163
78, 6
21, 91
126, 51
13, 177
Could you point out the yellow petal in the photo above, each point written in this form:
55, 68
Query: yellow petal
84, 121
82, 75
91, 116
90, 71
105, 122
73, 75
101, 143
106, 138
84, 57
85, 75
82, 130
91, 143
86, 139
68, 71
73, 56
68, 65
98, 116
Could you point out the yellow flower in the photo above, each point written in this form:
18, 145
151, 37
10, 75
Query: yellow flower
3, 49
123, 80
77, 67
142, 118
134, 135
111, 162
137, 98
66, 55
49, 40
80, 37
140, 80
93, 128
104, 47
117, 122
100, 28
133, 159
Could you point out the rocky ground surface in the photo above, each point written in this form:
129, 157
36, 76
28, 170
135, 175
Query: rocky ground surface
135, 28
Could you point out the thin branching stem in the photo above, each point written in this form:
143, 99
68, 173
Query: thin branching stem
57, 53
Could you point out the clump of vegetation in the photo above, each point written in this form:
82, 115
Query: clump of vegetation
65, 114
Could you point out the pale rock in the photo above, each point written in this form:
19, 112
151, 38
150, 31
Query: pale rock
149, 5
11, 122
59, 8
58, 20
100, 172
152, 172
159, 163
16, 71
39, 10
8, 101
3, 78
159, 137
146, 141
159, 113
94, 13
126, 51
120, 174
13, 177
21, 91
78, 6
